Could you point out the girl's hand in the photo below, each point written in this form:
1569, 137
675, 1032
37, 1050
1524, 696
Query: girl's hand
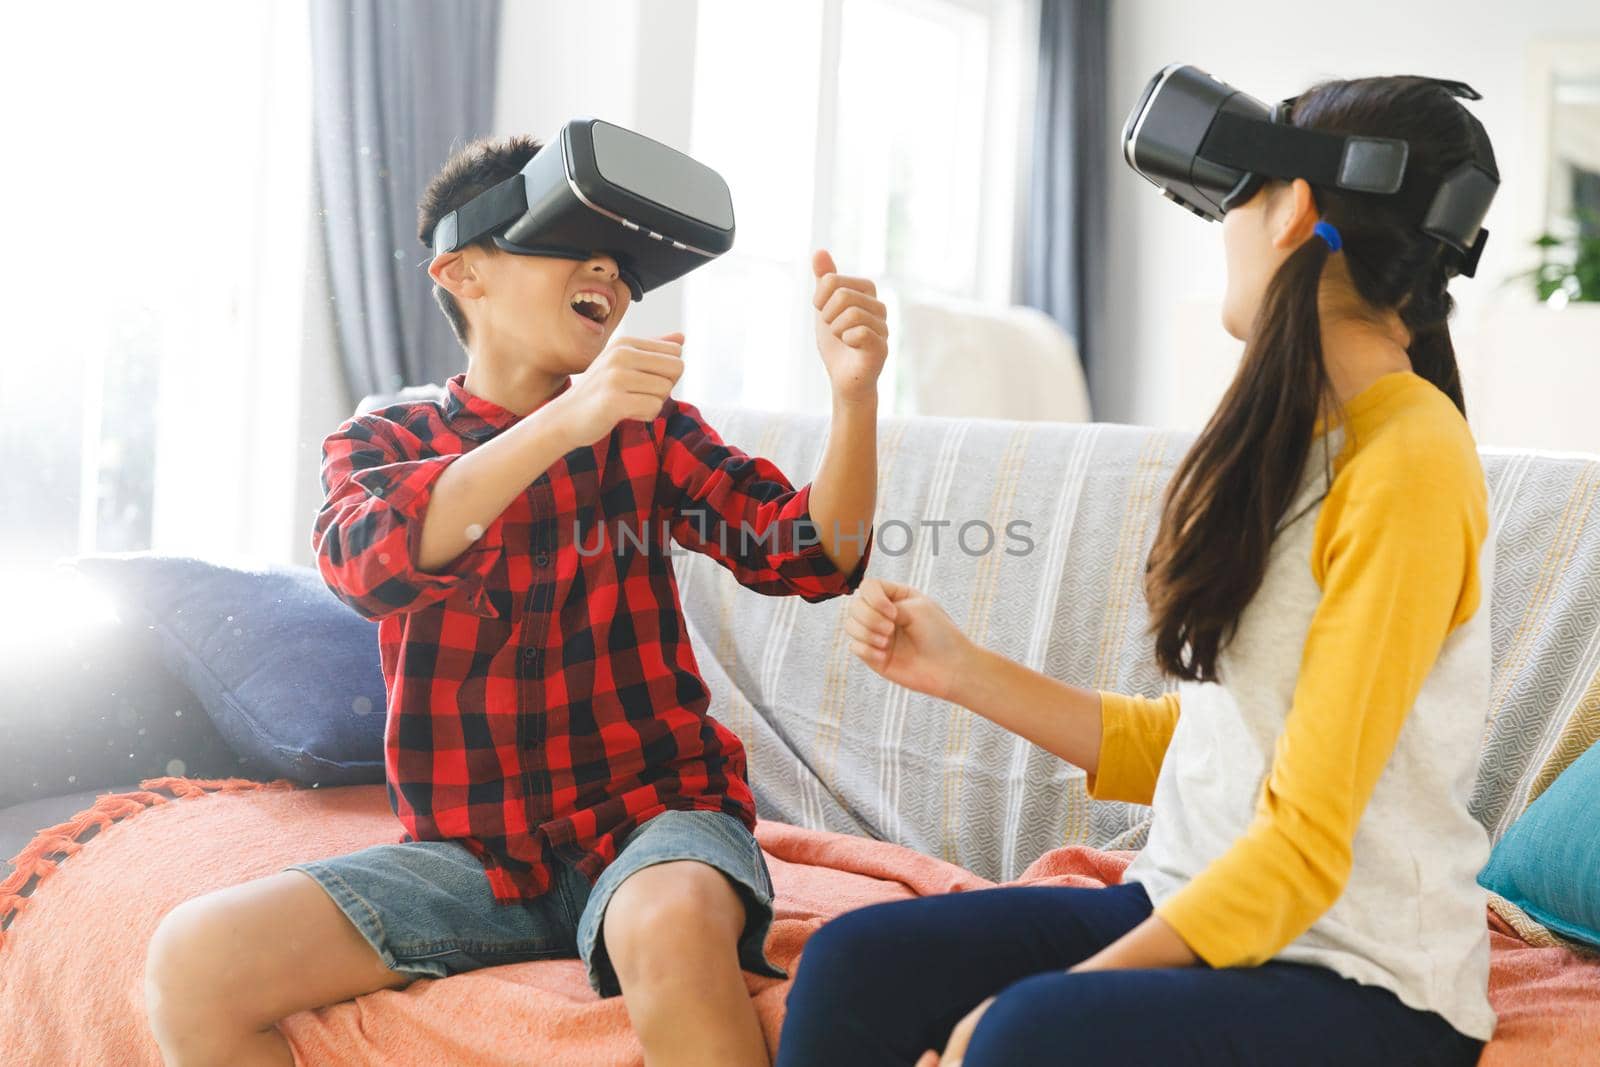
956, 1047
906, 637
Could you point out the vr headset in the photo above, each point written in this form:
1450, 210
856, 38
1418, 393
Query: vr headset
1209, 147
601, 188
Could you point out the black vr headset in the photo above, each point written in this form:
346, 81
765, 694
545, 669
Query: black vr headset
1209, 147
601, 188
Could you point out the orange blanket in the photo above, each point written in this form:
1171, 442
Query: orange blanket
72, 959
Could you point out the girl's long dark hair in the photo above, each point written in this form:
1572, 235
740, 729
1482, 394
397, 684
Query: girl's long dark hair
1229, 493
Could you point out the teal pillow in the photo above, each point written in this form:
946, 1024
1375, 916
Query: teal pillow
1548, 863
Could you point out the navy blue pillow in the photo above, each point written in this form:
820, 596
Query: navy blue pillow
288, 673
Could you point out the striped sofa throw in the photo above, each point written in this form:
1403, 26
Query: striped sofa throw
1033, 536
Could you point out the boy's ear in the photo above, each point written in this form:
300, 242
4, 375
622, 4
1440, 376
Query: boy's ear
457, 273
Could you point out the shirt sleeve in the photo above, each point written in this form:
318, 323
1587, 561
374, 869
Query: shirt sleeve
376, 487
1134, 734
1396, 553
742, 512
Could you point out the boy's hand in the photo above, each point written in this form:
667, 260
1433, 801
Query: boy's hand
852, 329
629, 380
906, 637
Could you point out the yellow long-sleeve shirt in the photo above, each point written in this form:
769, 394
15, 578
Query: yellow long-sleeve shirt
1395, 556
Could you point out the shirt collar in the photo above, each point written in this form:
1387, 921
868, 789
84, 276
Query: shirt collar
478, 417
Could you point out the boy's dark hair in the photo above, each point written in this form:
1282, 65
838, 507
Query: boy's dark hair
477, 168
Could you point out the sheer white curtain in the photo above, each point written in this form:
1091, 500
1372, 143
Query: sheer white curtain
157, 191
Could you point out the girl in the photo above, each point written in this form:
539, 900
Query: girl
1319, 587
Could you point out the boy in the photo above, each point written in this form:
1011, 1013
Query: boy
548, 753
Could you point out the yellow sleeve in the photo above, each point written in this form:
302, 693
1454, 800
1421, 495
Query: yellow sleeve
1134, 733
1396, 554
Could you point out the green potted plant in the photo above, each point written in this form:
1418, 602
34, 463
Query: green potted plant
1568, 270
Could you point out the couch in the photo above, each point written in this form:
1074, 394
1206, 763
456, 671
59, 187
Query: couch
892, 792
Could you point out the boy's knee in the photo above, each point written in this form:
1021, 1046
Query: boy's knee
672, 912
186, 1010
173, 948
186, 973
166, 964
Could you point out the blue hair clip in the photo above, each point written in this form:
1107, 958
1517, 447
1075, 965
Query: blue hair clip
1328, 233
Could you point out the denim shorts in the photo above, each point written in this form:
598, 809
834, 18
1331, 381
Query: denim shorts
427, 909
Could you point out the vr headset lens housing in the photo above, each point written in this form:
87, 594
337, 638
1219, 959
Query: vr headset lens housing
1164, 133
601, 188
1209, 147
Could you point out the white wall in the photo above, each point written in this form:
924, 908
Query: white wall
1166, 357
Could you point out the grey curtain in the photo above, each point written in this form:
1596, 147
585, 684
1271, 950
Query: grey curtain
397, 86
1065, 234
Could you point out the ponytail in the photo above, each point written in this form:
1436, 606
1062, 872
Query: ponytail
1433, 355
1224, 502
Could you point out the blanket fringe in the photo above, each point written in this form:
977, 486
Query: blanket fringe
43, 855
1533, 931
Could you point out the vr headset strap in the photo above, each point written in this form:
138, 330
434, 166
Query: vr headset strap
1361, 164
1449, 211
483, 214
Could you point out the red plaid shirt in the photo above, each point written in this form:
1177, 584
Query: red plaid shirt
543, 694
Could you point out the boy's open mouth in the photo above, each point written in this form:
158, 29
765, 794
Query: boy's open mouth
592, 305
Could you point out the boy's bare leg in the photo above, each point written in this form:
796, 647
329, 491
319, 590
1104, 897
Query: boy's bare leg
672, 932
224, 967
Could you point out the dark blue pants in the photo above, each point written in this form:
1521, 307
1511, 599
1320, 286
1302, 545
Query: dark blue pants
881, 984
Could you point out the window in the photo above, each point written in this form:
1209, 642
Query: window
908, 155
157, 205
884, 130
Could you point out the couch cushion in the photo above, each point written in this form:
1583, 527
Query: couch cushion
833, 746
1548, 863
289, 675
